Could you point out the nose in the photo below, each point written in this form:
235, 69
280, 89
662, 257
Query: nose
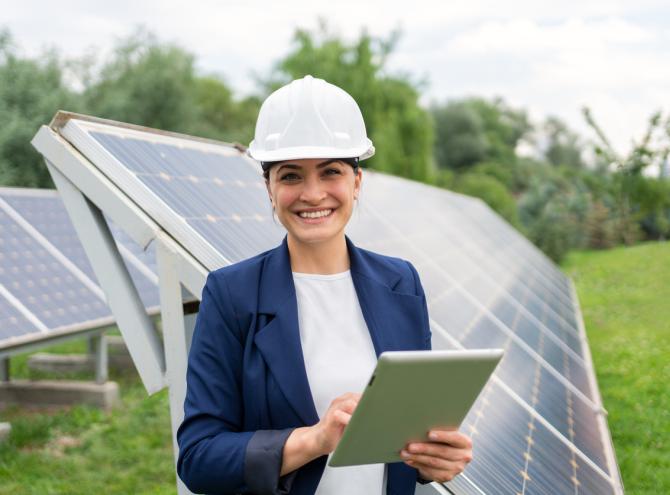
313, 191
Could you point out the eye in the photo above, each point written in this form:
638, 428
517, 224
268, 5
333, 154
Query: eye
332, 171
290, 177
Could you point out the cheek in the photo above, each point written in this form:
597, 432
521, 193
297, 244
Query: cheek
285, 198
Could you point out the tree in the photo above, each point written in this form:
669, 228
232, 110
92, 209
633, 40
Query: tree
31, 91
147, 83
400, 129
643, 202
563, 146
460, 140
220, 116
473, 130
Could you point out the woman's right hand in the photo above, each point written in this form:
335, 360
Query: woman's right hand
306, 443
328, 431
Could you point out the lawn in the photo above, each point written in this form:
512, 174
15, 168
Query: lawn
625, 300
81, 450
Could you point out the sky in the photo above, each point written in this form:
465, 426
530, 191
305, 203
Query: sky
550, 58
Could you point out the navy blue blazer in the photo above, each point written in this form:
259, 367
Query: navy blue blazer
247, 387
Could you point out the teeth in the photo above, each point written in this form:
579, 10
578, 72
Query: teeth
315, 214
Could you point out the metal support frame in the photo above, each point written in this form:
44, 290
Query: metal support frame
98, 349
605, 434
123, 299
4, 369
176, 337
86, 192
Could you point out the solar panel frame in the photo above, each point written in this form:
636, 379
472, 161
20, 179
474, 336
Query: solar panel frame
565, 287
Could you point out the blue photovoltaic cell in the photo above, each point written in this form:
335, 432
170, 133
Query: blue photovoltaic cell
42, 284
486, 286
47, 214
513, 453
12, 322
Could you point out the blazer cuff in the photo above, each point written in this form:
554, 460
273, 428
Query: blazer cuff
263, 460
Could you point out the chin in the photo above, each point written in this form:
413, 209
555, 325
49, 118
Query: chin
313, 237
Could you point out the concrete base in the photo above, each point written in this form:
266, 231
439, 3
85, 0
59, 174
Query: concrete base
5, 428
60, 393
75, 363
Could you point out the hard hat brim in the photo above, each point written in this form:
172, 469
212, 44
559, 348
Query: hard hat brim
301, 152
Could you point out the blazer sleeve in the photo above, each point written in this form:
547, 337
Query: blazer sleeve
425, 324
215, 455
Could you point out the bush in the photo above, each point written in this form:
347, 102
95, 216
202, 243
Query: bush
492, 192
554, 212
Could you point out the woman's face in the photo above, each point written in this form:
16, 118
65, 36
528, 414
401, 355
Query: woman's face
313, 198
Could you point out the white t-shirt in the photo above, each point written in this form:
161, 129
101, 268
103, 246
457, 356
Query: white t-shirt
339, 358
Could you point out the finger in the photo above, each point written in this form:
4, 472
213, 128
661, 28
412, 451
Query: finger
341, 417
452, 437
433, 474
348, 406
441, 450
430, 462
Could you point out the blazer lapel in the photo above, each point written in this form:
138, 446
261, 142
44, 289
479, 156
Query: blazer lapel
391, 316
279, 340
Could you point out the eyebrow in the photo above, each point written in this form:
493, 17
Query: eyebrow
294, 166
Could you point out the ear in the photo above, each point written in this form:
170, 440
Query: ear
358, 179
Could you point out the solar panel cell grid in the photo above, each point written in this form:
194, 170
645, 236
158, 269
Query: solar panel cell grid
47, 214
12, 322
41, 283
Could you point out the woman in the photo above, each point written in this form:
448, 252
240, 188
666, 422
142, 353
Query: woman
284, 341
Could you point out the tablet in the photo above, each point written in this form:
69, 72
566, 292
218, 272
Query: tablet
409, 393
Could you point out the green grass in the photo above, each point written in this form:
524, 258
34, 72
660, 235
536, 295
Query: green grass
82, 450
625, 299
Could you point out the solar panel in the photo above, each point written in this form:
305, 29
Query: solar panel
486, 286
47, 282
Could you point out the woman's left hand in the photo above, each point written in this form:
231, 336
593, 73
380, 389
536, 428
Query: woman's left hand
446, 455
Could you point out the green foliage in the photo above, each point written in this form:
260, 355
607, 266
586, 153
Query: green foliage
624, 297
398, 126
31, 91
599, 227
642, 203
554, 211
221, 117
144, 81
460, 141
474, 129
563, 146
491, 191
148, 83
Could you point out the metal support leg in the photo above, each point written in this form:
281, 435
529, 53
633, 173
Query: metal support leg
137, 328
4, 369
174, 338
98, 345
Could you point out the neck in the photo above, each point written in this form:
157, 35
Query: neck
324, 258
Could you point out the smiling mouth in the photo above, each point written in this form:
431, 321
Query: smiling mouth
316, 214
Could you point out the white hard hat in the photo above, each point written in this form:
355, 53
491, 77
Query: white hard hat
310, 118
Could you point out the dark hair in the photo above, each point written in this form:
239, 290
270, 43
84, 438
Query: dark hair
268, 165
